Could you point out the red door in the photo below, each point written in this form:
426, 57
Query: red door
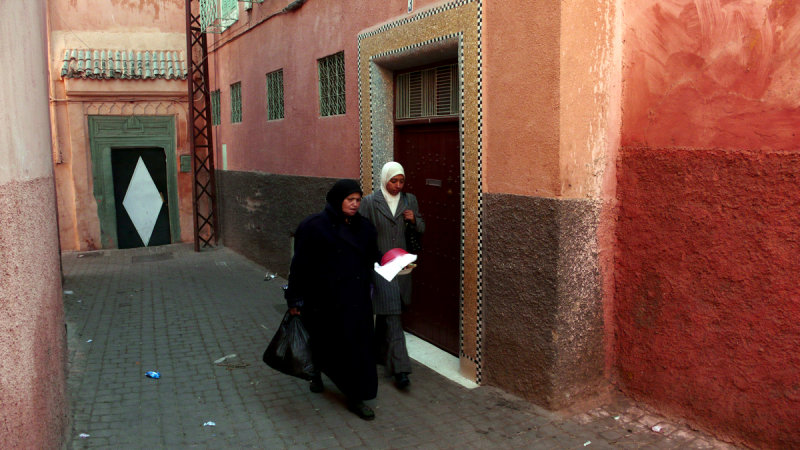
429, 154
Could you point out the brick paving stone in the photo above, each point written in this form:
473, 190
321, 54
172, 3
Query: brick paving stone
176, 311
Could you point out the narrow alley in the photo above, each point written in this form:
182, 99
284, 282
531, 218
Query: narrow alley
178, 312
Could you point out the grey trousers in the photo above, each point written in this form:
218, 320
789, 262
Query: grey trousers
390, 343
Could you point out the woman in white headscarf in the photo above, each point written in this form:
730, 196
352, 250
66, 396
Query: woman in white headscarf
391, 210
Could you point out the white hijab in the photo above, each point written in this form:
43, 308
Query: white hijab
391, 169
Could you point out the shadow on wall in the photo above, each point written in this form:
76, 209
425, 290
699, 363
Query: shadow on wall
260, 212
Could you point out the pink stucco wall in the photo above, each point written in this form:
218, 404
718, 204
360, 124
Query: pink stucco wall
707, 298
32, 333
118, 15
303, 143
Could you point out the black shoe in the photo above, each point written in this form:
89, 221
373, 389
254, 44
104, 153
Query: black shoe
401, 380
316, 385
361, 410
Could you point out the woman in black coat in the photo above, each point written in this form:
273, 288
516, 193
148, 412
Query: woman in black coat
329, 286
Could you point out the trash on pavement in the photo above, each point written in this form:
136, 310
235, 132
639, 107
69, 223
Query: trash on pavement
656, 428
209, 424
270, 276
69, 292
151, 374
232, 355
224, 362
83, 435
89, 340
587, 443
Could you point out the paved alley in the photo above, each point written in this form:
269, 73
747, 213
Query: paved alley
175, 311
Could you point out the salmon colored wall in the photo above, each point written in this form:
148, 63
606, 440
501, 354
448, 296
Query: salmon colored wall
706, 266
590, 92
303, 143
550, 136
521, 125
33, 350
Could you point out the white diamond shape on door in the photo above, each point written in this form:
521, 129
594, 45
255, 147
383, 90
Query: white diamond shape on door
142, 201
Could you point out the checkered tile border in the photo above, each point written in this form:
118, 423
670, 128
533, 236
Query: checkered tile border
407, 20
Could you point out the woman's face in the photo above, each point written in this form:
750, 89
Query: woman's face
351, 203
395, 185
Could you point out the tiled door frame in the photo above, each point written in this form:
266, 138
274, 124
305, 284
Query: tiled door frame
452, 29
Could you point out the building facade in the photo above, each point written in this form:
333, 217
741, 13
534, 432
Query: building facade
509, 183
119, 106
609, 184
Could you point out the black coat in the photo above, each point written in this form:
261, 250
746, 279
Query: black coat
329, 280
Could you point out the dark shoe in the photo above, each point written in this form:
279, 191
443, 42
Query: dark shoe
401, 380
361, 410
316, 385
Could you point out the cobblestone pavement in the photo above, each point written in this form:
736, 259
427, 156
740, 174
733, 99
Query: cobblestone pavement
175, 311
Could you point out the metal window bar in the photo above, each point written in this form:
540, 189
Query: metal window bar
275, 95
248, 4
216, 116
236, 102
217, 15
331, 85
445, 90
204, 203
427, 93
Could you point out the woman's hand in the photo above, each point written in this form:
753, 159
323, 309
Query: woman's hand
294, 312
409, 216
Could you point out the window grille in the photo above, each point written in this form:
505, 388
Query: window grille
217, 15
427, 93
216, 118
331, 85
248, 4
236, 102
275, 95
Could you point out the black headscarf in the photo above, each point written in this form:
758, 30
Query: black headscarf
340, 191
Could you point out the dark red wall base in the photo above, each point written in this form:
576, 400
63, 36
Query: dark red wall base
708, 288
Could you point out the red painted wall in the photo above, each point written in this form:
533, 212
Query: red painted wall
707, 301
707, 294
707, 74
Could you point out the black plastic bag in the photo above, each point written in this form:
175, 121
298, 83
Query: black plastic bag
289, 350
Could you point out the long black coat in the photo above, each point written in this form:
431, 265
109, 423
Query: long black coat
329, 280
